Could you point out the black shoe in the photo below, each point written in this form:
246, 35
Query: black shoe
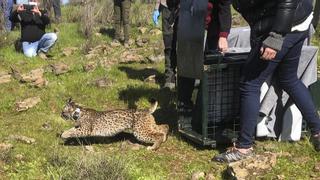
315, 140
232, 155
185, 108
169, 85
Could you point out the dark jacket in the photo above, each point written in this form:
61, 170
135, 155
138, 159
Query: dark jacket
273, 18
32, 25
220, 24
221, 14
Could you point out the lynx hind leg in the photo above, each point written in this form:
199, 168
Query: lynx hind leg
150, 137
164, 129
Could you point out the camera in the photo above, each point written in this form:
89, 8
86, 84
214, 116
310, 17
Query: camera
28, 6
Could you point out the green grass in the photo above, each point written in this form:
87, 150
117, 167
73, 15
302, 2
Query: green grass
49, 158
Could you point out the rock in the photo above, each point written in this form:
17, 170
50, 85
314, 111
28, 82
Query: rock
46, 126
140, 42
150, 79
102, 82
155, 32
107, 63
5, 147
281, 177
39, 83
156, 59
69, 51
242, 169
27, 103
127, 145
90, 66
19, 157
42, 56
32, 76
23, 139
128, 56
91, 56
143, 30
89, 148
198, 175
59, 68
115, 44
131, 42
317, 167
210, 177
4, 78
98, 34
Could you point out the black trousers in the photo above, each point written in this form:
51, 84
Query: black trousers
169, 31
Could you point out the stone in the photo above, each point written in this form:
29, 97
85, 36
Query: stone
22, 139
143, 30
46, 126
59, 68
39, 83
90, 66
155, 32
129, 56
42, 56
19, 157
89, 148
131, 42
32, 76
91, 56
140, 42
150, 79
98, 34
5, 147
115, 44
281, 177
4, 77
198, 176
69, 51
127, 145
156, 59
102, 82
27, 103
210, 177
244, 168
317, 167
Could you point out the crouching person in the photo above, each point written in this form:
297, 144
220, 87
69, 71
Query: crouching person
35, 41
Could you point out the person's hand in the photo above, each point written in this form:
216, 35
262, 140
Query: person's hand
36, 10
223, 44
155, 16
20, 8
267, 53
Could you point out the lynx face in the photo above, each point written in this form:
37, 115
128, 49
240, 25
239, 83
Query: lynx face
70, 111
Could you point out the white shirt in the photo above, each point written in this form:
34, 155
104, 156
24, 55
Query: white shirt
304, 25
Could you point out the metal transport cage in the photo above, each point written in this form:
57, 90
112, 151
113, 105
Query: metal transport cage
215, 117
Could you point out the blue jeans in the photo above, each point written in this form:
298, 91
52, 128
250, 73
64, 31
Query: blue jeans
256, 71
31, 49
6, 6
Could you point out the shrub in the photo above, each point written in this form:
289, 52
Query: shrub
82, 166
